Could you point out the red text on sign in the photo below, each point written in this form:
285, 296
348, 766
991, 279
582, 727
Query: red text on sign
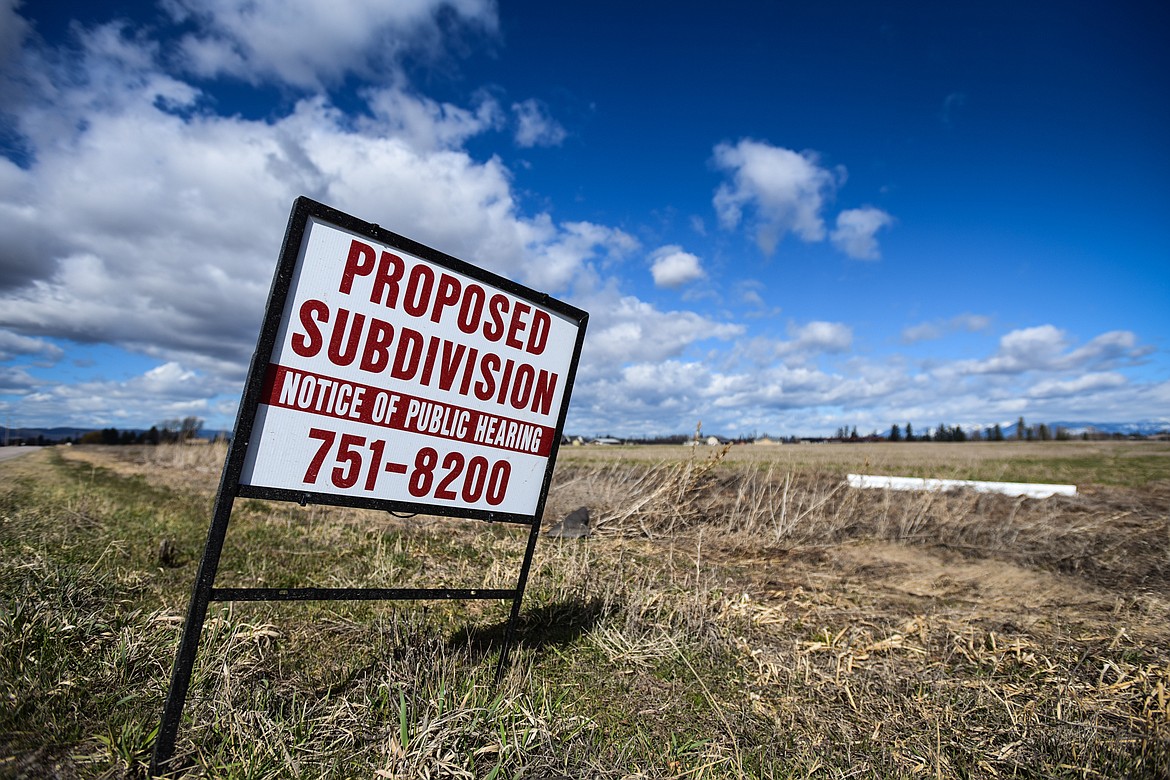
410, 356
456, 477
420, 293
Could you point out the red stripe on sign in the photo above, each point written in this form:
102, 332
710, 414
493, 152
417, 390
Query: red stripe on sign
305, 391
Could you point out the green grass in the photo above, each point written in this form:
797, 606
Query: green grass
1134, 471
90, 621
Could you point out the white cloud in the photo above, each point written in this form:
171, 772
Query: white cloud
309, 44
804, 342
534, 126
1021, 350
1087, 383
624, 330
157, 230
164, 392
425, 124
856, 230
1046, 348
169, 379
144, 220
820, 336
558, 256
1117, 347
785, 190
165, 227
672, 267
971, 323
647, 370
937, 329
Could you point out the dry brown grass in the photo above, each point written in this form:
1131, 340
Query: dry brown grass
1111, 535
879, 454
931, 633
733, 616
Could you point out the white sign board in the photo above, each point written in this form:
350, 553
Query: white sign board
399, 374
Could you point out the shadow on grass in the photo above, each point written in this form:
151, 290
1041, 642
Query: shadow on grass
551, 624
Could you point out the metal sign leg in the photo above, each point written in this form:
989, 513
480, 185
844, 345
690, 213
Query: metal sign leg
164, 744
513, 619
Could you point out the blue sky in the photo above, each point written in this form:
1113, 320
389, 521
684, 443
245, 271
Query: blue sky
781, 217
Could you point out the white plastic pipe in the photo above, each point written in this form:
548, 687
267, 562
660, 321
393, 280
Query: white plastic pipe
1029, 489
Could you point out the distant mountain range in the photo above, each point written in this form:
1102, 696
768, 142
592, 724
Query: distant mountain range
1077, 428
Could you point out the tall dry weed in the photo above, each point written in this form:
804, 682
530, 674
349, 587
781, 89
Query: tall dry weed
1110, 535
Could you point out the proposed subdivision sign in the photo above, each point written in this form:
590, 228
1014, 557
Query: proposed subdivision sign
389, 375
402, 377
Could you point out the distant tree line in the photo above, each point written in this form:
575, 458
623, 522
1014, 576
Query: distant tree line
897, 433
166, 432
944, 432
955, 433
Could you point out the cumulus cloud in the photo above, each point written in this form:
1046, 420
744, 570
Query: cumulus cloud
534, 126
856, 230
1047, 348
1087, 383
779, 191
147, 222
804, 342
813, 381
1117, 347
784, 190
820, 336
309, 44
627, 330
556, 256
141, 218
1021, 350
164, 392
426, 124
671, 267
157, 230
659, 392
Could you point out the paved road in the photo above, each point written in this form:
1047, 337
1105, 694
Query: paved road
13, 452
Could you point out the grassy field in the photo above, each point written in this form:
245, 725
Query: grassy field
1086, 463
737, 613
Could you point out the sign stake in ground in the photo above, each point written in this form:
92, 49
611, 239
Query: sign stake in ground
389, 376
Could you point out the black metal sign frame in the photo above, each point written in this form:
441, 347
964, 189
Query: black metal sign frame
204, 591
